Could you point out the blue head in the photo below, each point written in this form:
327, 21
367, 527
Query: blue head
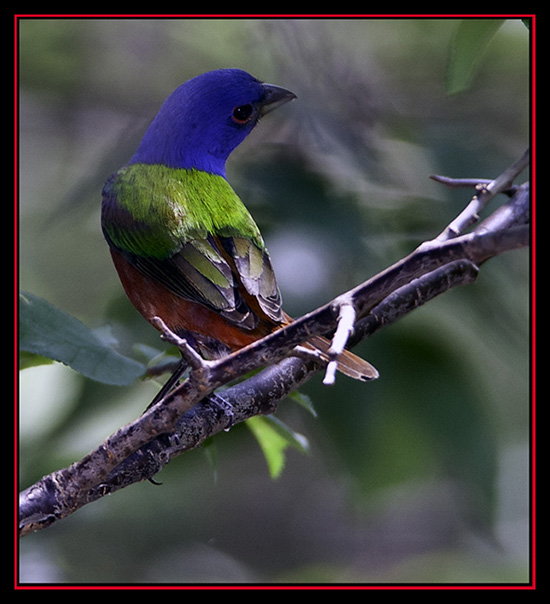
203, 120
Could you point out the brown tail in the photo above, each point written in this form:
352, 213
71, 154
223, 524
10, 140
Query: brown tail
348, 363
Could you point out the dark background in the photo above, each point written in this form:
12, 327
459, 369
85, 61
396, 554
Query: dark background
420, 476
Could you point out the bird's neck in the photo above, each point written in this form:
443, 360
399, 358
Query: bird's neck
162, 147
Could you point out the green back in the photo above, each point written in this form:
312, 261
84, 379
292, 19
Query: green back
190, 231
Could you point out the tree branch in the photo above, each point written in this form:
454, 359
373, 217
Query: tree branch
193, 411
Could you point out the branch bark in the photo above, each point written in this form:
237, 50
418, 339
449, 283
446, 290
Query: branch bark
194, 411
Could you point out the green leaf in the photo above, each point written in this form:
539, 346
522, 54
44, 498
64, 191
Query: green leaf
274, 438
52, 333
28, 359
304, 400
210, 449
471, 39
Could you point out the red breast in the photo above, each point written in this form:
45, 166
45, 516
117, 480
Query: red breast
153, 299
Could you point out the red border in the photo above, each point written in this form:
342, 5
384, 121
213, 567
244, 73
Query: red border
532, 584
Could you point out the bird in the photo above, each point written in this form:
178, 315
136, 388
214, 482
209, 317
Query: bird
185, 247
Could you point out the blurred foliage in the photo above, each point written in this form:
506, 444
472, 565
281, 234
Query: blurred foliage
421, 476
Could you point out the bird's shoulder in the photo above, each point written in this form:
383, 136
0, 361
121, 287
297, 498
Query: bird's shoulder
188, 203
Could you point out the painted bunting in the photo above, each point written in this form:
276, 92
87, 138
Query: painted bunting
185, 247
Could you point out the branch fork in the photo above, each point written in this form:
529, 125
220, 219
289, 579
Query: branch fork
486, 190
193, 359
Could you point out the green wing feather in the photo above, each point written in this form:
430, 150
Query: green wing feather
190, 231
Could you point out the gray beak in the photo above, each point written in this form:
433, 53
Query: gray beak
275, 96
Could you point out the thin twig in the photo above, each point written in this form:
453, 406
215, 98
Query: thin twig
458, 183
194, 360
485, 192
346, 321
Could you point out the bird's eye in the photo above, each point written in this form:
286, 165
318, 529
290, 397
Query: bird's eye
242, 113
